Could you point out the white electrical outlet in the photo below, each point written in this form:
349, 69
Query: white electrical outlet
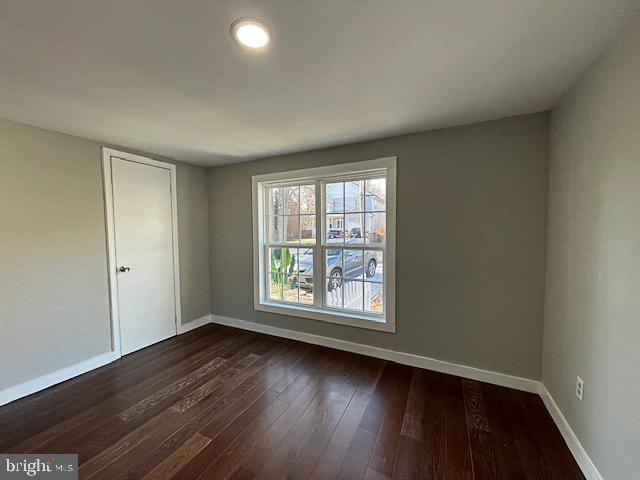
579, 387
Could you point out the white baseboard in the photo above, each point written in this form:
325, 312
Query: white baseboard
50, 379
584, 462
32, 386
519, 383
193, 324
525, 384
410, 359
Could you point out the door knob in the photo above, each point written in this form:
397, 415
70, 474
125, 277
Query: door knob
124, 269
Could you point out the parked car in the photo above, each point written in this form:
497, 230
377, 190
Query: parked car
334, 233
353, 266
355, 232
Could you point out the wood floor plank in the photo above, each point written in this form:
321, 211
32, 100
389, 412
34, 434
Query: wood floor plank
328, 405
409, 457
212, 385
116, 387
555, 450
374, 413
434, 436
59, 408
104, 412
502, 438
218, 406
483, 454
157, 397
476, 414
221, 403
529, 451
458, 461
356, 458
241, 448
95, 453
300, 396
38, 400
369, 372
243, 474
333, 454
373, 475
198, 467
358, 454
384, 454
414, 412
105, 376
315, 444
178, 459
114, 429
175, 426
225, 463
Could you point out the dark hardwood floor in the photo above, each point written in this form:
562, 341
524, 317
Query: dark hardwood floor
224, 403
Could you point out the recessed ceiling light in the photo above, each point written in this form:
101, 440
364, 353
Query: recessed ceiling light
250, 33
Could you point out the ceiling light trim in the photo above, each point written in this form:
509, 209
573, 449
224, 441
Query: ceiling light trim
251, 34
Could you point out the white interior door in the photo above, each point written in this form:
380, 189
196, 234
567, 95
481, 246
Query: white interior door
143, 234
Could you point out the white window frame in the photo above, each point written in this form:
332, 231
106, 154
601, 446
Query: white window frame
260, 183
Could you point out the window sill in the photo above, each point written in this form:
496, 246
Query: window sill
369, 322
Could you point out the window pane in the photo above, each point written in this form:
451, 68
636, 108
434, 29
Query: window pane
334, 193
373, 297
335, 228
333, 259
306, 290
373, 267
275, 286
304, 261
353, 228
276, 203
291, 288
290, 261
353, 192
276, 229
375, 227
305, 275
291, 200
282, 260
353, 295
376, 195
353, 264
308, 199
292, 229
275, 260
308, 228
333, 292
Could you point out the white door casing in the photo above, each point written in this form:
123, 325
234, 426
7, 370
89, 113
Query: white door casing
140, 197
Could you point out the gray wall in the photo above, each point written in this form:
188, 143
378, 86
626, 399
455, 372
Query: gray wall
53, 280
193, 240
592, 308
471, 225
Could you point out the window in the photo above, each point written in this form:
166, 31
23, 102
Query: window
324, 243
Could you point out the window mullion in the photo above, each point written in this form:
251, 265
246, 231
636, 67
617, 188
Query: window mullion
318, 264
266, 274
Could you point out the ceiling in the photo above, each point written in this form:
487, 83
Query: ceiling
165, 77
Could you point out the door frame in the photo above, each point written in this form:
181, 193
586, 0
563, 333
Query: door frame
107, 154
